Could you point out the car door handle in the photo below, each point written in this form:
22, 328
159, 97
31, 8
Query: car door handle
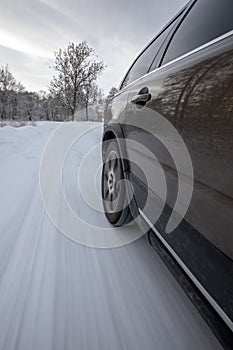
142, 97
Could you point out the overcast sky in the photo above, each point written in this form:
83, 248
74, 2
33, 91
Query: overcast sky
31, 30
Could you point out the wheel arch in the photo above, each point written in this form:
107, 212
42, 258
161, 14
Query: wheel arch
114, 131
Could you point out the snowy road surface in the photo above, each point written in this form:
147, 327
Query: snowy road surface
58, 294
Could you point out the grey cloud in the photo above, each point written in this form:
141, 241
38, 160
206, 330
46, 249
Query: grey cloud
33, 72
117, 30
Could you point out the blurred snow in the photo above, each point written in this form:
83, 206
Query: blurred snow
57, 294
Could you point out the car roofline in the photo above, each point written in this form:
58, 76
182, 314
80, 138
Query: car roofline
183, 9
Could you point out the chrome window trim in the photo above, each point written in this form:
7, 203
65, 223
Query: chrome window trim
210, 299
199, 48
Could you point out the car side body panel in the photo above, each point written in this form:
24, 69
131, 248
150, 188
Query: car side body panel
195, 94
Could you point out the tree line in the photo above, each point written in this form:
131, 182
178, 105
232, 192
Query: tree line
72, 94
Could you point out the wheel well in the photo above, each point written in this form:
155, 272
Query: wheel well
109, 135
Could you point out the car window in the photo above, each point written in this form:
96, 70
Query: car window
207, 20
156, 62
144, 61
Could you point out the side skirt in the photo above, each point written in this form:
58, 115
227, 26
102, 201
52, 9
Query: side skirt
214, 316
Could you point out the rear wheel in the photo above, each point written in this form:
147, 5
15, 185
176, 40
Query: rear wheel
114, 189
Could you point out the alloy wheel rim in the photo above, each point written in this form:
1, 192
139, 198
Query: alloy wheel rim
111, 181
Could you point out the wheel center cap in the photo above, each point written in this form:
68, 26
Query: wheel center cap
111, 182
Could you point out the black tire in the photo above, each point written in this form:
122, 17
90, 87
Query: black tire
114, 192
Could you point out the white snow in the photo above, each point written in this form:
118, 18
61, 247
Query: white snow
57, 294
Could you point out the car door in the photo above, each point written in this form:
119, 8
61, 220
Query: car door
203, 112
132, 119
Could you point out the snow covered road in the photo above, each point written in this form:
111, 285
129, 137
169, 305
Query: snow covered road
58, 294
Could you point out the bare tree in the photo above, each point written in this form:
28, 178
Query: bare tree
93, 96
100, 104
89, 95
111, 93
15, 99
7, 85
62, 100
76, 69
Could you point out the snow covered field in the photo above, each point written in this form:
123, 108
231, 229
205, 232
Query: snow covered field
58, 294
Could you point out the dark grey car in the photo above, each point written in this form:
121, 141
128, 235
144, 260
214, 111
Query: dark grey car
185, 77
